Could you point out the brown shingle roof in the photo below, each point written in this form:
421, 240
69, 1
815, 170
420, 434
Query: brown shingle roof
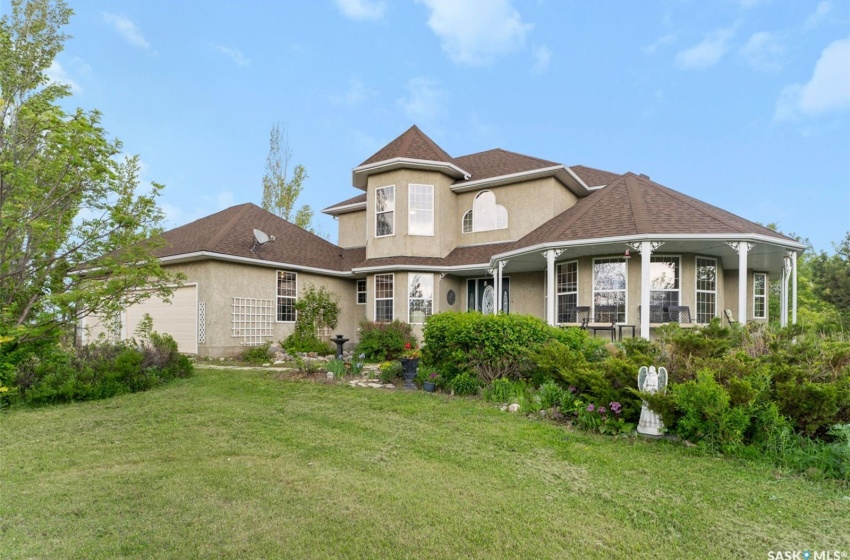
231, 232
499, 162
593, 177
635, 205
460, 256
359, 199
413, 144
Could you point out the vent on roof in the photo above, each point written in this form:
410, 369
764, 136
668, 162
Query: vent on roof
644, 175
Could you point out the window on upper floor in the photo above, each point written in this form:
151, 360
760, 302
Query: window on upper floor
420, 202
485, 215
384, 211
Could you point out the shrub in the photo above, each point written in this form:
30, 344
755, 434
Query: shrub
389, 372
336, 367
706, 415
256, 354
384, 341
316, 310
464, 384
487, 346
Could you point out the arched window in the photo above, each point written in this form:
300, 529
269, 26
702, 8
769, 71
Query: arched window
485, 215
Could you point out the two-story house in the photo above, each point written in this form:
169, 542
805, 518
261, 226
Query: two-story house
494, 231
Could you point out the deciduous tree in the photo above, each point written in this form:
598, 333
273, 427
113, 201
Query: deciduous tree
73, 222
280, 190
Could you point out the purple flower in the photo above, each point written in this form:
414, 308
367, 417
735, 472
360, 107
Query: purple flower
615, 407
601, 410
591, 407
572, 389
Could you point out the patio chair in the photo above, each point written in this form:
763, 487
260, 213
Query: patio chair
729, 317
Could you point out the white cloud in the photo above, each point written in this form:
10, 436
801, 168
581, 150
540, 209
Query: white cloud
424, 102
56, 74
662, 42
542, 57
475, 32
819, 16
127, 29
763, 52
708, 53
357, 92
233, 54
828, 89
361, 10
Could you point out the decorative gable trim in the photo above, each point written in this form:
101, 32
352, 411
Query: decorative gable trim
360, 175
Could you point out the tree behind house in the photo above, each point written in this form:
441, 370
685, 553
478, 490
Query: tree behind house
280, 191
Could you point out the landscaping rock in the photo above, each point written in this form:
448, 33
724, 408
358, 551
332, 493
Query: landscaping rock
513, 408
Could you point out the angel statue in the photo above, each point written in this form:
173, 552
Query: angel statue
651, 381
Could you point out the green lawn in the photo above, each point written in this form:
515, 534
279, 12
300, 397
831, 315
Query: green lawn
232, 464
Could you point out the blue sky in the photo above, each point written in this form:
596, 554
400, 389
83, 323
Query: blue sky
744, 104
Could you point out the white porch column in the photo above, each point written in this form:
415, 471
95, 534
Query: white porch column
645, 248
498, 303
794, 288
550, 286
645, 255
783, 298
743, 248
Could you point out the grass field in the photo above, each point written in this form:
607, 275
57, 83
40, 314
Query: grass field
232, 464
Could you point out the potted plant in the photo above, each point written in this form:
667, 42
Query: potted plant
430, 378
409, 364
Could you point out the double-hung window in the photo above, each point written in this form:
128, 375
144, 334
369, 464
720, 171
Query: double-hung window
420, 297
384, 211
663, 283
759, 295
566, 289
420, 202
706, 289
383, 298
286, 293
609, 285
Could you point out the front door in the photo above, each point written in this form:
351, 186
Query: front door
481, 296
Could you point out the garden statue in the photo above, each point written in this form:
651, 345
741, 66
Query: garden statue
650, 381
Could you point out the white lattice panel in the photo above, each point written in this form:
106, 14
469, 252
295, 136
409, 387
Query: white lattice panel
202, 322
251, 320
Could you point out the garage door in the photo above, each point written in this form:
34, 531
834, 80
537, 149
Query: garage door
179, 318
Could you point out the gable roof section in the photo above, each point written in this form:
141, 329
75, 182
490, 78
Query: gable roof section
412, 150
230, 233
499, 162
412, 144
635, 205
353, 204
593, 177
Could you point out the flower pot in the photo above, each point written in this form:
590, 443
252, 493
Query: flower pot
410, 365
429, 386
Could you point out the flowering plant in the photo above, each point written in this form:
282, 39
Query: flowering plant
410, 352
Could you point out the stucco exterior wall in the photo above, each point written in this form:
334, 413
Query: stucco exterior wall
529, 204
400, 243
219, 282
351, 229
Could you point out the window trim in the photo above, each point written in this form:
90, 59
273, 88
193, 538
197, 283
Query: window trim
393, 211
278, 297
557, 293
410, 209
763, 296
410, 276
462, 219
625, 290
377, 299
697, 291
677, 290
365, 291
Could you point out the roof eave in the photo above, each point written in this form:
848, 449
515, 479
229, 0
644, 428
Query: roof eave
360, 175
561, 172
208, 255
346, 209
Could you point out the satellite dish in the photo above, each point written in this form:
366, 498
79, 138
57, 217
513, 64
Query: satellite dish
260, 238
